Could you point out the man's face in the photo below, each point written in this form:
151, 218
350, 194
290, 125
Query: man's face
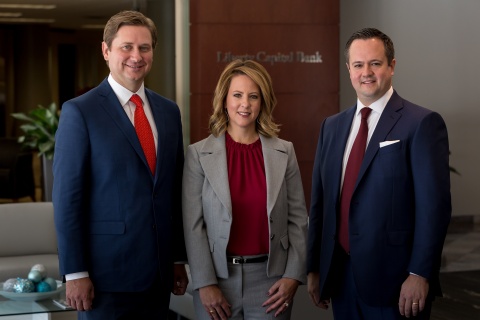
130, 56
370, 73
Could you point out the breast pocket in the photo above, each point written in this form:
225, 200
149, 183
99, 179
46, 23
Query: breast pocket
393, 161
391, 148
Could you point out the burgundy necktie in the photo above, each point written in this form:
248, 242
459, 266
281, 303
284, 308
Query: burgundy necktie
351, 174
144, 132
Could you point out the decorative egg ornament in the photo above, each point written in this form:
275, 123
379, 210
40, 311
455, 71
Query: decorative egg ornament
24, 285
40, 268
52, 283
9, 285
35, 276
43, 286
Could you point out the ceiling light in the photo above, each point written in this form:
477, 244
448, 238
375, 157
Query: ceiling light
27, 6
10, 14
26, 20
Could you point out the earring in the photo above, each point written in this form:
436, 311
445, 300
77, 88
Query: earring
226, 112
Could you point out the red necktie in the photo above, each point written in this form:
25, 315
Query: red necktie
144, 132
351, 174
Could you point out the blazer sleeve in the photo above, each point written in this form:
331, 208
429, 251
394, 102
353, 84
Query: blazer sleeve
179, 251
431, 179
196, 238
315, 226
297, 220
69, 165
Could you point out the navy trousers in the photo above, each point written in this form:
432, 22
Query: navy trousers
152, 304
347, 305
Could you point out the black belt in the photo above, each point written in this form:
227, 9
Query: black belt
241, 260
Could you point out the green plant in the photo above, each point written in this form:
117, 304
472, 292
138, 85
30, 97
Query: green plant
42, 123
452, 169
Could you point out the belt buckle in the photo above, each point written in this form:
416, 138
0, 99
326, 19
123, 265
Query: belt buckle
237, 260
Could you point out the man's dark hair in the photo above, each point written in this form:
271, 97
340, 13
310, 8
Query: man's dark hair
369, 33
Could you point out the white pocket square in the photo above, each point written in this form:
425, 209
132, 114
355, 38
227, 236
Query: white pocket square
387, 143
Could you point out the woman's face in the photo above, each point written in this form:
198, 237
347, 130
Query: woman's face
243, 103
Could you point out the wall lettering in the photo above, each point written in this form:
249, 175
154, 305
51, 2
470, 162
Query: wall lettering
268, 58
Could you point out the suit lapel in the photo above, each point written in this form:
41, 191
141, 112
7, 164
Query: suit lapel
160, 123
213, 159
275, 158
387, 121
342, 131
112, 106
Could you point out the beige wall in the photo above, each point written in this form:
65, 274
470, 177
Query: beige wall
437, 47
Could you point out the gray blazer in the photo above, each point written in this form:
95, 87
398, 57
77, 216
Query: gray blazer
207, 210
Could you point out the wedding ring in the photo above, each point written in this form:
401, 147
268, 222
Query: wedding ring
211, 311
286, 304
414, 303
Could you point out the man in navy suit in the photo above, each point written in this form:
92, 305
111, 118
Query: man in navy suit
387, 264
118, 207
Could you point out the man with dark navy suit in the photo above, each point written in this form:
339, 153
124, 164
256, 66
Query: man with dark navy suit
380, 197
117, 191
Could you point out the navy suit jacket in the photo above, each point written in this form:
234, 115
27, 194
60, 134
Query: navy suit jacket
400, 208
113, 218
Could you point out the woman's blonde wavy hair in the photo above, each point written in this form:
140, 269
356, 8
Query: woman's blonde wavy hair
265, 125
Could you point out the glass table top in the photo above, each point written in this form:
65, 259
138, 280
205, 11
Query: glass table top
12, 307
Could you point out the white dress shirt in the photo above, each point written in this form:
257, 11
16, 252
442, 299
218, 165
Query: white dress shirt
377, 109
124, 96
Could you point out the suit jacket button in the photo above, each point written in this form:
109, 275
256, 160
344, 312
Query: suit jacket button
154, 227
272, 236
271, 220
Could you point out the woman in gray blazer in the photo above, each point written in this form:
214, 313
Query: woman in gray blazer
244, 214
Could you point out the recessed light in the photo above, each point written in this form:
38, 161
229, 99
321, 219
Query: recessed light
26, 20
27, 6
10, 14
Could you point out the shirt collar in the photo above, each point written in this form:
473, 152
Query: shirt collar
379, 105
123, 94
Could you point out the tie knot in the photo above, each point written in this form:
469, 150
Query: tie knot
137, 100
365, 112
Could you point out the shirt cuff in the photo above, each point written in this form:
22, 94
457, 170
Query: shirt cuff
76, 275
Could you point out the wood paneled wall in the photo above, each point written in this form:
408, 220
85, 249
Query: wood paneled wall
296, 40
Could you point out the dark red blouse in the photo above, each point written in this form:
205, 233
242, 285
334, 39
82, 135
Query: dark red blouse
248, 192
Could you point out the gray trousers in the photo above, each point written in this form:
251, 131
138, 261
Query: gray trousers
246, 290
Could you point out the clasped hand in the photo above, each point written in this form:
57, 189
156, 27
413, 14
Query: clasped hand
280, 295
